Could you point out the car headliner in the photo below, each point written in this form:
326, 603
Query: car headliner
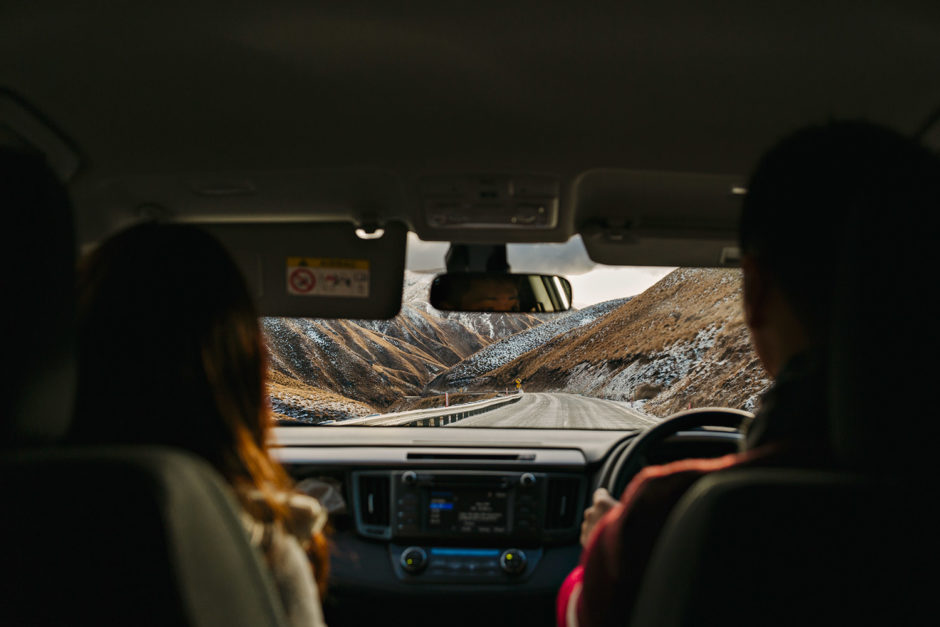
321, 112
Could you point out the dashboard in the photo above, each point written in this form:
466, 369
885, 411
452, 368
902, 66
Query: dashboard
457, 526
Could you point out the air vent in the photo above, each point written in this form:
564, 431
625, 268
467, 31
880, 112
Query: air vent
514, 457
562, 508
373, 500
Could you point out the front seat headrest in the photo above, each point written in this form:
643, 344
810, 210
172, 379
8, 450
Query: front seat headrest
37, 283
884, 338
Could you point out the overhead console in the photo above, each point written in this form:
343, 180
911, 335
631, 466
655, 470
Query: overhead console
521, 202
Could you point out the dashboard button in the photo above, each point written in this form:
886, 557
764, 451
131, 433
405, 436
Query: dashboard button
413, 560
512, 561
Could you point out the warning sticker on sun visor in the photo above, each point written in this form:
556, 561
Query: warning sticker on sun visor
327, 276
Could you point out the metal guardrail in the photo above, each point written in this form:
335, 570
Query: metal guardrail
436, 416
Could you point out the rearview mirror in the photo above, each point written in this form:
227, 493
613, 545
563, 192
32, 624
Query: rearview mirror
494, 291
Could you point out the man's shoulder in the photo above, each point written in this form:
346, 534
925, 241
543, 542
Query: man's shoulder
674, 478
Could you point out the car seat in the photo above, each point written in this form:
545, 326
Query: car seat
37, 250
856, 545
111, 535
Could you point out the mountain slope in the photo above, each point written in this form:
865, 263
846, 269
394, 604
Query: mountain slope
506, 350
683, 341
376, 362
294, 400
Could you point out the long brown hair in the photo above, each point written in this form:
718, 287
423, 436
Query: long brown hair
171, 353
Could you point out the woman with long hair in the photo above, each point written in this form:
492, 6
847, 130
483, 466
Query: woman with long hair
171, 353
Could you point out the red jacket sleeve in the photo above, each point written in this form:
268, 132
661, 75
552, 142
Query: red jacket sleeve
570, 586
615, 559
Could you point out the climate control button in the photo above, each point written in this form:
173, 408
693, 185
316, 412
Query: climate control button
413, 560
512, 561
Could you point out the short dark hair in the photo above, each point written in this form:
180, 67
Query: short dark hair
808, 187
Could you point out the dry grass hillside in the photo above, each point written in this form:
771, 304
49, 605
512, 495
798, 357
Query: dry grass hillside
681, 343
296, 401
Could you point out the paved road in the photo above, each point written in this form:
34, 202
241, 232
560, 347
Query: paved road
560, 411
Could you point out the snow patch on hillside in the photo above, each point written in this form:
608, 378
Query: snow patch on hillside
502, 352
660, 368
313, 410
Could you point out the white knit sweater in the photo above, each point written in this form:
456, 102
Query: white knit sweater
284, 553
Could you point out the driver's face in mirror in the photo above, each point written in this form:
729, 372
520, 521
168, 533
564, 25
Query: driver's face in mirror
496, 294
493, 292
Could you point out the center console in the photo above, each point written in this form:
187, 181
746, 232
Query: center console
453, 526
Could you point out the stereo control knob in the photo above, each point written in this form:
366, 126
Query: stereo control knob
413, 560
512, 561
527, 480
409, 477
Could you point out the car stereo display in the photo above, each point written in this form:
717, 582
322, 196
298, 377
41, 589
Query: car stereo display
476, 511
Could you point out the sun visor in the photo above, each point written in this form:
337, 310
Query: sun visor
659, 218
319, 270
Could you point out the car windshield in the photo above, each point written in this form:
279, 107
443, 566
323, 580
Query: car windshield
639, 345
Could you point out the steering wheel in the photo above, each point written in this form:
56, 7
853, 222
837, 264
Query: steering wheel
626, 462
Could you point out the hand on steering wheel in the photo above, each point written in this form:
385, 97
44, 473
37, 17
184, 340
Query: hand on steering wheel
602, 503
621, 469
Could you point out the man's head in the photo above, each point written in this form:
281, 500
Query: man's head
800, 198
